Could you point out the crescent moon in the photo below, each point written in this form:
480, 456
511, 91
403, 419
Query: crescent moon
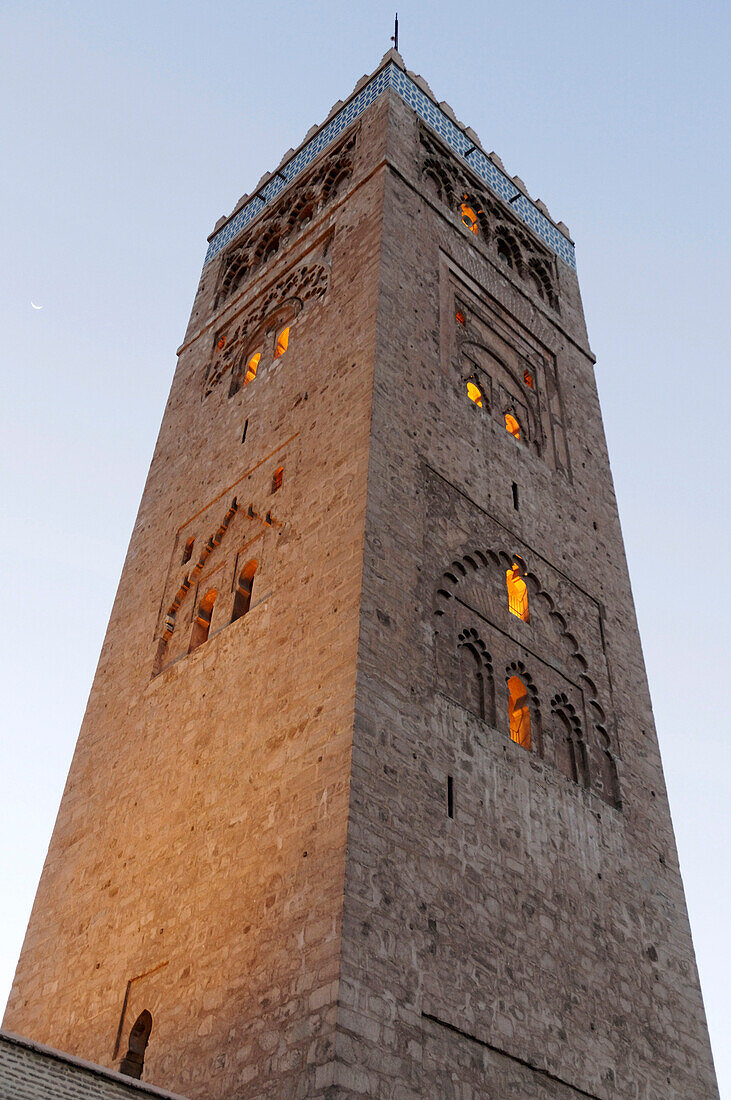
35, 306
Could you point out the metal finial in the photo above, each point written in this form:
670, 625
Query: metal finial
394, 36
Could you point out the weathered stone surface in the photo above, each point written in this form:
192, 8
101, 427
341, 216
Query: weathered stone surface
255, 842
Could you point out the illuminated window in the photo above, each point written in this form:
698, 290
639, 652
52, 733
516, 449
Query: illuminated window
517, 593
512, 425
518, 712
282, 343
221, 343
469, 218
252, 367
528, 379
133, 1061
277, 478
474, 393
242, 599
188, 550
202, 624
460, 317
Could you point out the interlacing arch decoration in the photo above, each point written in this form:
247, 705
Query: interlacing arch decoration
234, 343
294, 211
590, 766
502, 391
189, 582
487, 218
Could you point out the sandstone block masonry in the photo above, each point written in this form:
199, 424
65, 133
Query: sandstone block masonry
367, 800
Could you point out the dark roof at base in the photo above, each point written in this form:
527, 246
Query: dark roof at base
31, 1071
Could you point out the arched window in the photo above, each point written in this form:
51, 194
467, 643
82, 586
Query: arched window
474, 393
517, 593
252, 367
188, 549
503, 253
476, 687
139, 1036
202, 624
566, 749
242, 599
469, 217
282, 343
519, 712
512, 425
277, 478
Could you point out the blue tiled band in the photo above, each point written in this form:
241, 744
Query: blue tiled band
393, 77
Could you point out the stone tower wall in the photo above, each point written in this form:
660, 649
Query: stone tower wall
535, 944
196, 868
310, 848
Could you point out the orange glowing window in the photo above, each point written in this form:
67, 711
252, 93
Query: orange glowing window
518, 712
528, 379
252, 367
282, 343
460, 317
517, 593
474, 393
188, 550
277, 478
512, 425
221, 343
202, 624
469, 218
242, 599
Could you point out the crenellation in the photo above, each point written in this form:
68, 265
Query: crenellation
367, 800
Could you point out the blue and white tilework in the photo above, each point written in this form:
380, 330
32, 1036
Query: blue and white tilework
393, 77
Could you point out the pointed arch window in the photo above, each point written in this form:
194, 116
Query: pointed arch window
244, 588
519, 712
517, 593
475, 393
202, 624
282, 343
512, 426
252, 367
134, 1060
469, 217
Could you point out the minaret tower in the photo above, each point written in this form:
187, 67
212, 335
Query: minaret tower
367, 800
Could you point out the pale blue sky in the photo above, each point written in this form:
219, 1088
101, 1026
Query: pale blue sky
128, 129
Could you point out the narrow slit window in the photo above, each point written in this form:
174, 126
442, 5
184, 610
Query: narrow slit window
516, 503
512, 425
450, 796
244, 588
282, 343
519, 712
134, 1060
474, 393
188, 550
277, 478
517, 593
243, 434
202, 624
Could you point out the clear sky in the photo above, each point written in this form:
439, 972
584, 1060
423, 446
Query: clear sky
128, 129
